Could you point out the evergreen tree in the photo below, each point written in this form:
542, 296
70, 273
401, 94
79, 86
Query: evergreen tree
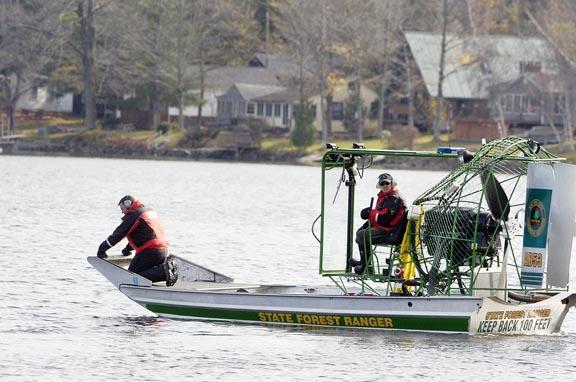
303, 133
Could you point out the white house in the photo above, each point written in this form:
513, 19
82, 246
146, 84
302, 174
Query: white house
272, 104
219, 80
262, 69
38, 98
340, 95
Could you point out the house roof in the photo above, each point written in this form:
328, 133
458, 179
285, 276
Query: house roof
286, 95
224, 77
467, 74
251, 91
538, 81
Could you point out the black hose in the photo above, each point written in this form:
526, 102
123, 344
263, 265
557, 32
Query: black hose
313, 224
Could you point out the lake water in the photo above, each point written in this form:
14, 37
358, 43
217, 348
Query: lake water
60, 320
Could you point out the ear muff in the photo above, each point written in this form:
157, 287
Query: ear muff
127, 203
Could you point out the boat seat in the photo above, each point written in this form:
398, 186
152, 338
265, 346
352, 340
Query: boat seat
384, 259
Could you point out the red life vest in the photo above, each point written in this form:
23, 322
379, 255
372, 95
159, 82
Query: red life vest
158, 239
393, 224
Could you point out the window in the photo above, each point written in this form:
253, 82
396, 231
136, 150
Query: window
260, 109
250, 108
313, 110
530, 104
337, 111
268, 110
530, 66
277, 109
507, 103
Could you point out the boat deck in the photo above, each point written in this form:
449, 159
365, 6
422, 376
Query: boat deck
210, 286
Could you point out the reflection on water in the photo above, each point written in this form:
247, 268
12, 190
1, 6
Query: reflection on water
60, 320
142, 321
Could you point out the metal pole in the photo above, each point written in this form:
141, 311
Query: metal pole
351, 184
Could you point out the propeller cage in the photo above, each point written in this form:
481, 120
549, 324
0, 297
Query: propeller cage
461, 235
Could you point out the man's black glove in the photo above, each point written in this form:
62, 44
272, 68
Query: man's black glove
102, 250
126, 251
365, 213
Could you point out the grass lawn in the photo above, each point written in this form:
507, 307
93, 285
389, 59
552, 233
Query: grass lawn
73, 126
421, 143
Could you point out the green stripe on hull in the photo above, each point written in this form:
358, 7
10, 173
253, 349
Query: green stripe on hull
424, 323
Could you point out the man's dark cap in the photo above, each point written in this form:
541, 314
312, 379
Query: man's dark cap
385, 177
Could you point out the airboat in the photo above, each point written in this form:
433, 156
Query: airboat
486, 250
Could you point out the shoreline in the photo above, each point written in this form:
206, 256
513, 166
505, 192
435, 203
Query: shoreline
254, 156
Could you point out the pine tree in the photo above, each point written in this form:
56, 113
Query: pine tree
303, 133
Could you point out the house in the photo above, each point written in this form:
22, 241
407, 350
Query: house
340, 96
261, 69
270, 104
532, 99
38, 98
275, 105
483, 76
218, 80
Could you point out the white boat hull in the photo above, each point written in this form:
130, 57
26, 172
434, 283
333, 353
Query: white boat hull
328, 307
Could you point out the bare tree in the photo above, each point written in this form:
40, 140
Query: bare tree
94, 34
391, 18
178, 42
553, 23
307, 28
24, 52
302, 38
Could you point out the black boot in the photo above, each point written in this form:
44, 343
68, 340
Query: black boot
354, 262
359, 270
171, 270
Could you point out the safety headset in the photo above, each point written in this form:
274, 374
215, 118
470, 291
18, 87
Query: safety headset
126, 201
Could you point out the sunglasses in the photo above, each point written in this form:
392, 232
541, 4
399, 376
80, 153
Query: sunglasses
384, 182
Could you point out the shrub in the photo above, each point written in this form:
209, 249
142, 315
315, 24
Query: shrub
165, 127
303, 134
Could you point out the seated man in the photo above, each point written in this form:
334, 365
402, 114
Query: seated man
141, 226
385, 223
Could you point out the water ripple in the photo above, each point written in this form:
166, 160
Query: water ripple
61, 321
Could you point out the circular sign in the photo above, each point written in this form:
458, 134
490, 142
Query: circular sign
536, 217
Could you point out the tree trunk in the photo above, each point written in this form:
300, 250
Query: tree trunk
410, 105
329, 114
202, 85
324, 97
181, 110
440, 94
155, 105
359, 112
323, 117
10, 94
87, 32
10, 119
180, 66
568, 133
381, 95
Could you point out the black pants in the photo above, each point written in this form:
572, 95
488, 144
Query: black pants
378, 237
150, 264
